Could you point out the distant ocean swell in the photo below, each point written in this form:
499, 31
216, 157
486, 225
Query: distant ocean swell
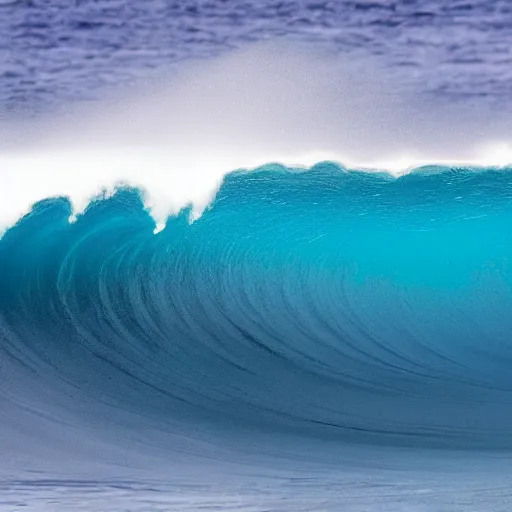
326, 303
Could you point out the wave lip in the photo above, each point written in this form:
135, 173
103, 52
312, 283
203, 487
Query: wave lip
331, 304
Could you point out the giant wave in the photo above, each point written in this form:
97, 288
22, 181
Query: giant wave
327, 303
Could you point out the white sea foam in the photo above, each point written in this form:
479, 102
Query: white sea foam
176, 138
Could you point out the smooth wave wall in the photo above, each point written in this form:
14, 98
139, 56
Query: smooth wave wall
328, 303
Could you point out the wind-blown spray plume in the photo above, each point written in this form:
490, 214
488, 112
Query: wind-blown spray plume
178, 139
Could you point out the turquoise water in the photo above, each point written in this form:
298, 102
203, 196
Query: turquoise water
330, 302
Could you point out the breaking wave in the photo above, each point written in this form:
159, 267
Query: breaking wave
332, 302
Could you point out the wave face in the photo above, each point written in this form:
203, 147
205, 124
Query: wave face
327, 303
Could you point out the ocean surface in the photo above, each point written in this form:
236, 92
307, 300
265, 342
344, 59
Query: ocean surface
199, 313
57, 51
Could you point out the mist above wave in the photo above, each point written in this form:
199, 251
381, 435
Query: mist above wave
177, 137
